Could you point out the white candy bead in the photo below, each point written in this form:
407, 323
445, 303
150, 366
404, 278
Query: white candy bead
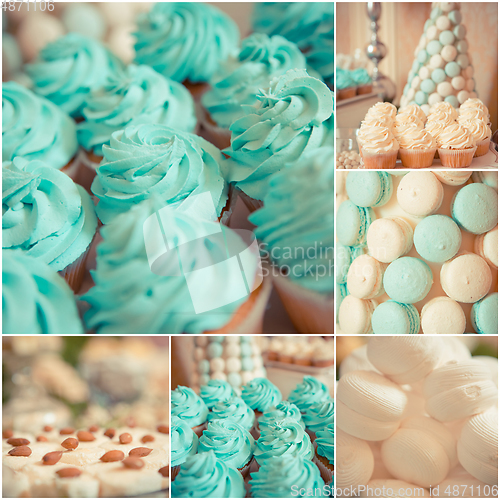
369, 406
478, 447
405, 359
415, 456
436, 61
354, 465
462, 96
444, 89
458, 390
246, 377
447, 6
232, 350
458, 82
257, 361
410, 95
395, 488
434, 98
357, 360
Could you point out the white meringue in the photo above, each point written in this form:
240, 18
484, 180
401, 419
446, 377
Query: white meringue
357, 360
467, 486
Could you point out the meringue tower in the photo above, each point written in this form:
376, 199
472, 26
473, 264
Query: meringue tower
442, 69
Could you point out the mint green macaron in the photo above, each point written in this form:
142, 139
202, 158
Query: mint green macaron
395, 318
353, 223
484, 315
369, 189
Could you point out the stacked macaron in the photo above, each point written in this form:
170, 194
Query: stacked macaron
421, 258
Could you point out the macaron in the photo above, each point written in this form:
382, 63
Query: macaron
342, 293
466, 278
355, 315
353, 223
443, 315
486, 245
490, 178
395, 318
407, 280
452, 178
475, 208
389, 238
437, 238
484, 315
420, 193
344, 256
364, 279
369, 189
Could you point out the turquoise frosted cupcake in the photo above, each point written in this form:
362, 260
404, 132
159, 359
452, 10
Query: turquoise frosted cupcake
185, 41
184, 443
285, 437
188, 406
260, 394
71, 67
48, 216
205, 476
298, 214
324, 458
215, 391
283, 409
35, 128
153, 159
35, 299
292, 117
287, 477
128, 297
317, 416
230, 442
239, 79
234, 409
308, 392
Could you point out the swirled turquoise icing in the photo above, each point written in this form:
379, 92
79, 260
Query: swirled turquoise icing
215, 391
136, 96
129, 298
205, 476
45, 213
344, 79
295, 224
285, 437
324, 440
286, 477
184, 441
317, 416
149, 159
283, 409
292, 117
35, 128
320, 54
35, 299
308, 392
361, 76
234, 409
188, 406
185, 41
260, 394
69, 68
230, 442
238, 81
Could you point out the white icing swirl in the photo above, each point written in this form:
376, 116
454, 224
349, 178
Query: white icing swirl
416, 138
413, 110
378, 140
456, 136
479, 130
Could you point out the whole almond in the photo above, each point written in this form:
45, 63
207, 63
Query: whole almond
18, 441
48, 428
113, 456
140, 452
93, 428
130, 422
20, 451
67, 430
125, 438
110, 433
85, 436
69, 472
147, 439
41, 439
133, 463
7, 433
70, 444
165, 471
164, 429
52, 458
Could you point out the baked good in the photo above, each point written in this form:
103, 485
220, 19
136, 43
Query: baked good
352, 223
188, 406
354, 314
420, 194
234, 409
308, 392
379, 148
324, 457
416, 148
481, 133
318, 416
277, 412
395, 317
364, 279
456, 146
443, 315
484, 315
260, 394
216, 391
346, 86
486, 245
370, 189
389, 238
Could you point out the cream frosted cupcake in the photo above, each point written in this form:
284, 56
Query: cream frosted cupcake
382, 109
474, 104
435, 128
442, 111
403, 121
413, 110
456, 146
379, 148
417, 148
474, 114
324, 458
481, 133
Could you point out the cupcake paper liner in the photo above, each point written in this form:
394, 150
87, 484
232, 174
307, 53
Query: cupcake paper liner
228, 210
251, 204
346, 93
364, 89
174, 471
456, 158
417, 158
379, 161
74, 274
310, 312
218, 136
311, 434
87, 167
326, 473
482, 148
71, 168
